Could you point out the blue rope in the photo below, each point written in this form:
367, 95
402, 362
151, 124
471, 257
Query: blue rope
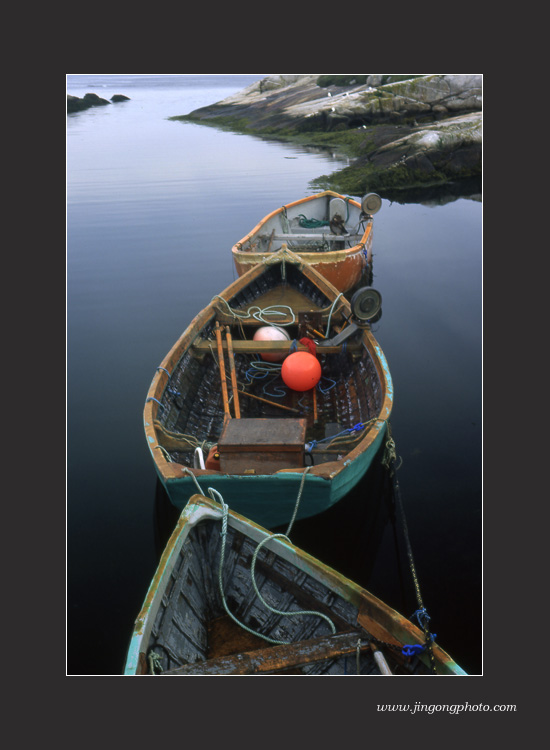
422, 617
280, 390
416, 648
314, 443
355, 428
409, 650
325, 390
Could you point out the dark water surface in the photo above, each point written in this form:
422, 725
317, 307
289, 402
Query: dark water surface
153, 207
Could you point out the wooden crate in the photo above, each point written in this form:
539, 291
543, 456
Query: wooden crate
261, 446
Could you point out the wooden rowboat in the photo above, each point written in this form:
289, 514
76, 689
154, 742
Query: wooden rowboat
214, 417
229, 598
330, 232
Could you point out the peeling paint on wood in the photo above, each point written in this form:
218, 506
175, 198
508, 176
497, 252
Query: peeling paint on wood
184, 406
183, 621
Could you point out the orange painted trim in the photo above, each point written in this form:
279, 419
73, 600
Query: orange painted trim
343, 268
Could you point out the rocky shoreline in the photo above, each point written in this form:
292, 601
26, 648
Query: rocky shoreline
403, 133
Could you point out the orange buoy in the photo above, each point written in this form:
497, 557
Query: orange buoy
271, 333
301, 371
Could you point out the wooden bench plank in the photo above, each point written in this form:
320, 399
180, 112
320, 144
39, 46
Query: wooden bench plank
272, 347
275, 658
316, 237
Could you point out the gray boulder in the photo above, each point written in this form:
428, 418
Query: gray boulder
77, 104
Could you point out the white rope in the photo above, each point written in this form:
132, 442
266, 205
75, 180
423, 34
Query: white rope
330, 314
194, 478
225, 508
261, 314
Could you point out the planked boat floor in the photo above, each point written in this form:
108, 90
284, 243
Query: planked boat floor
225, 637
284, 295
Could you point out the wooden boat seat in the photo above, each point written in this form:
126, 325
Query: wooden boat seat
281, 296
313, 236
269, 347
276, 658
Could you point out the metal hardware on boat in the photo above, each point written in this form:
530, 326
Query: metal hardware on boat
198, 459
371, 203
365, 305
340, 337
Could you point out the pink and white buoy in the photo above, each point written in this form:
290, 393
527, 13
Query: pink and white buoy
272, 333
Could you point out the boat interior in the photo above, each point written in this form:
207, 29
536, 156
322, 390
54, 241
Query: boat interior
222, 376
323, 224
306, 628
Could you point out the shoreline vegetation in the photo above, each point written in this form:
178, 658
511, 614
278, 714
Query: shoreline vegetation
405, 135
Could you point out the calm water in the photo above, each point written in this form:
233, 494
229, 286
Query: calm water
153, 208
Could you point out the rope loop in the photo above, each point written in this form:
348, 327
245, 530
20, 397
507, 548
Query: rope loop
261, 314
217, 496
422, 617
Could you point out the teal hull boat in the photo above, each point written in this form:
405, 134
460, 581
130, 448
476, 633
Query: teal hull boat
274, 498
226, 410
231, 598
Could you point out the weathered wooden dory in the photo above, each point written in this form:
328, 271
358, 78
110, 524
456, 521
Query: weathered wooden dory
229, 598
214, 416
330, 232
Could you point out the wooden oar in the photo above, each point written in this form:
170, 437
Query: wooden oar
315, 403
266, 401
221, 363
233, 372
380, 660
274, 658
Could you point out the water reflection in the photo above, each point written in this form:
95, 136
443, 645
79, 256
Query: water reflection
437, 195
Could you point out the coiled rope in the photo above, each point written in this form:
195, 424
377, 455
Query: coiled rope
311, 223
261, 314
314, 223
